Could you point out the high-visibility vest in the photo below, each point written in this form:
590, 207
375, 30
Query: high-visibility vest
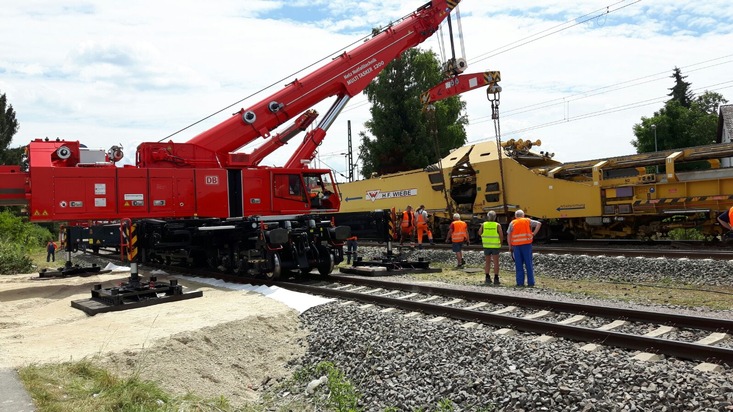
730, 216
490, 236
407, 218
521, 232
421, 218
460, 231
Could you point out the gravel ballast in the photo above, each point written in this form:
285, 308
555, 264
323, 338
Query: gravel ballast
411, 364
706, 272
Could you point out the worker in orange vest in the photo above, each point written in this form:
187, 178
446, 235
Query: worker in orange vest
726, 218
407, 226
458, 234
421, 219
520, 234
51, 251
351, 249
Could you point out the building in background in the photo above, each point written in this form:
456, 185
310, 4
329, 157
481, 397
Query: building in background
725, 130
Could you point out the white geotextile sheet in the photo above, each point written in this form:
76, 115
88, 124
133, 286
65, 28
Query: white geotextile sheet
114, 268
296, 300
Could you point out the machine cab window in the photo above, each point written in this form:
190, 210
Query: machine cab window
290, 187
321, 191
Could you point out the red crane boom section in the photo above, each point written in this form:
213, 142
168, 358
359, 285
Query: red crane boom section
460, 84
346, 75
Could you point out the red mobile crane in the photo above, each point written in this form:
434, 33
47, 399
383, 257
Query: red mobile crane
201, 203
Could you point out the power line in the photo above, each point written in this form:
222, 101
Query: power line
553, 30
634, 105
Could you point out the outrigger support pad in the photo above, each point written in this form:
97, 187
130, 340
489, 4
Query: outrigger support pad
133, 294
390, 264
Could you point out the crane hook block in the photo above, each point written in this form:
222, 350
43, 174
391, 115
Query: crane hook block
249, 117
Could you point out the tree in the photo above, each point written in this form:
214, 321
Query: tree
681, 90
8, 128
403, 138
678, 125
710, 102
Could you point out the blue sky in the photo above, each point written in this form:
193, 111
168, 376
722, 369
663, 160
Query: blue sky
106, 73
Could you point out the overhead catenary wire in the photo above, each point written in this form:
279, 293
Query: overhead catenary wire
356, 104
604, 11
634, 105
273, 84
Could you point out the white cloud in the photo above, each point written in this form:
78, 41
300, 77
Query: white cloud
107, 73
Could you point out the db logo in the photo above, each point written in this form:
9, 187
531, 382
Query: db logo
212, 180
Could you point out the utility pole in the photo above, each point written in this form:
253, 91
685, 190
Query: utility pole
351, 154
654, 128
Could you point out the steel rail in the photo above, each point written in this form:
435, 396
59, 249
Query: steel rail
684, 321
682, 350
595, 251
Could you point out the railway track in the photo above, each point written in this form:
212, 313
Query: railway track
595, 250
690, 337
531, 314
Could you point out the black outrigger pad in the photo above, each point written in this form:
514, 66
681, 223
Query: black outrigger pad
389, 268
75, 270
133, 295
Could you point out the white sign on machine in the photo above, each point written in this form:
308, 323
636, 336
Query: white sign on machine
393, 194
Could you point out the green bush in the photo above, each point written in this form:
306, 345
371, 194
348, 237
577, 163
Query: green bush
27, 235
13, 259
17, 240
686, 234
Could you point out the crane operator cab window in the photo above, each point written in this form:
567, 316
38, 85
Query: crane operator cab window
320, 191
289, 187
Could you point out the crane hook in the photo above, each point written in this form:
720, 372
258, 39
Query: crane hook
493, 93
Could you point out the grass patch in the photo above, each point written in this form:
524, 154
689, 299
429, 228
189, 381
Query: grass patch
661, 293
84, 387
664, 292
333, 393
38, 257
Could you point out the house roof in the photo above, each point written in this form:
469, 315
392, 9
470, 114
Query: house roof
725, 122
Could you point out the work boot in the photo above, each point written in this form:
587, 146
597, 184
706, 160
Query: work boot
488, 279
496, 279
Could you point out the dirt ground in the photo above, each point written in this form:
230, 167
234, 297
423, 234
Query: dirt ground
227, 342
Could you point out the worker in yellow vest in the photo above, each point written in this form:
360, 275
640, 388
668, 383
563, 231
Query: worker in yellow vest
492, 236
520, 233
458, 234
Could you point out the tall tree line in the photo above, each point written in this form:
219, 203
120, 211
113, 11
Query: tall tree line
400, 134
8, 129
684, 121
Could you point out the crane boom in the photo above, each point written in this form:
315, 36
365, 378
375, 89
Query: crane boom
461, 84
345, 76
